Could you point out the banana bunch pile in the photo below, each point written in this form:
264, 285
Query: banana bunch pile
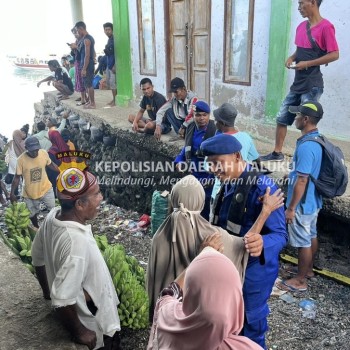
101, 241
20, 236
133, 307
21, 246
17, 218
136, 269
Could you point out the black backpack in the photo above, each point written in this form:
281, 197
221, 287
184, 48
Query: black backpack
333, 177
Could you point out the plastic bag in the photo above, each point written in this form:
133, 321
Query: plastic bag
159, 210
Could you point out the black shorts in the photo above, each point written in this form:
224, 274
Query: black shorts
88, 79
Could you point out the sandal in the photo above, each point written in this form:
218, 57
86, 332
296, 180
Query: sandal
283, 285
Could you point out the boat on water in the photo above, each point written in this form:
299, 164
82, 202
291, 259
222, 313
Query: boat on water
33, 63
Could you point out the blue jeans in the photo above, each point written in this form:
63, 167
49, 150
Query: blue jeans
175, 123
303, 229
284, 117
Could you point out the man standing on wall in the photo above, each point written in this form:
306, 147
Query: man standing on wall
87, 62
110, 71
316, 45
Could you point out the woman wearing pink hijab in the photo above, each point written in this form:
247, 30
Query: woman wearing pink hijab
211, 315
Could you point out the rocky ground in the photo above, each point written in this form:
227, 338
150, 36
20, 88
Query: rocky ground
289, 330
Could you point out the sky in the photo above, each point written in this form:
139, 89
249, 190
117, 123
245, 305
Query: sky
43, 26
39, 27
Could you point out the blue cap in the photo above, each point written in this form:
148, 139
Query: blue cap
201, 106
220, 144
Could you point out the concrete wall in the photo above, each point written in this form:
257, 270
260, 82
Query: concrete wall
159, 80
250, 100
336, 75
139, 148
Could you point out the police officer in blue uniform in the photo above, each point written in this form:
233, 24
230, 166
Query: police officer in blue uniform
189, 159
236, 207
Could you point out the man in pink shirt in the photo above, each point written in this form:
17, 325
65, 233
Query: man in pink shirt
315, 45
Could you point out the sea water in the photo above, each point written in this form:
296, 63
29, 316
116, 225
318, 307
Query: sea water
18, 95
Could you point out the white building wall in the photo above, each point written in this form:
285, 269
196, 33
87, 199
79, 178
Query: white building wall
336, 76
249, 100
159, 80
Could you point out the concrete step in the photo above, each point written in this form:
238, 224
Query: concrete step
27, 321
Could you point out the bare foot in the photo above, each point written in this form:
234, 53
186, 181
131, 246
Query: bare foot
89, 106
112, 104
293, 270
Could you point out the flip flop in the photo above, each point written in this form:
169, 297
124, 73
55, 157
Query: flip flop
283, 285
81, 103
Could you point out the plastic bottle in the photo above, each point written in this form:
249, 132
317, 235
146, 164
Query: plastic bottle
309, 308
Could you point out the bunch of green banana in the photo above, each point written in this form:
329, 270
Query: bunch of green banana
101, 241
17, 218
133, 307
136, 269
21, 246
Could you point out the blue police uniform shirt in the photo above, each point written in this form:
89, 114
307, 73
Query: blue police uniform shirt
197, 163
259, 279
307, 160
275, 224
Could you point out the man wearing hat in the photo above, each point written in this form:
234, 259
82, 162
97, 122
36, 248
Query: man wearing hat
303, 200
236, 208
70, 267
178, 111
225, 117
37, 188
189, 160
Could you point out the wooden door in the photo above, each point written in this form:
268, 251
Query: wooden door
189, 56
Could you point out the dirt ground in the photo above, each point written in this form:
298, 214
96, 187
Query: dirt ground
288, 329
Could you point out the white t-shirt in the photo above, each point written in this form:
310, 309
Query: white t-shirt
12, 159
74, 263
